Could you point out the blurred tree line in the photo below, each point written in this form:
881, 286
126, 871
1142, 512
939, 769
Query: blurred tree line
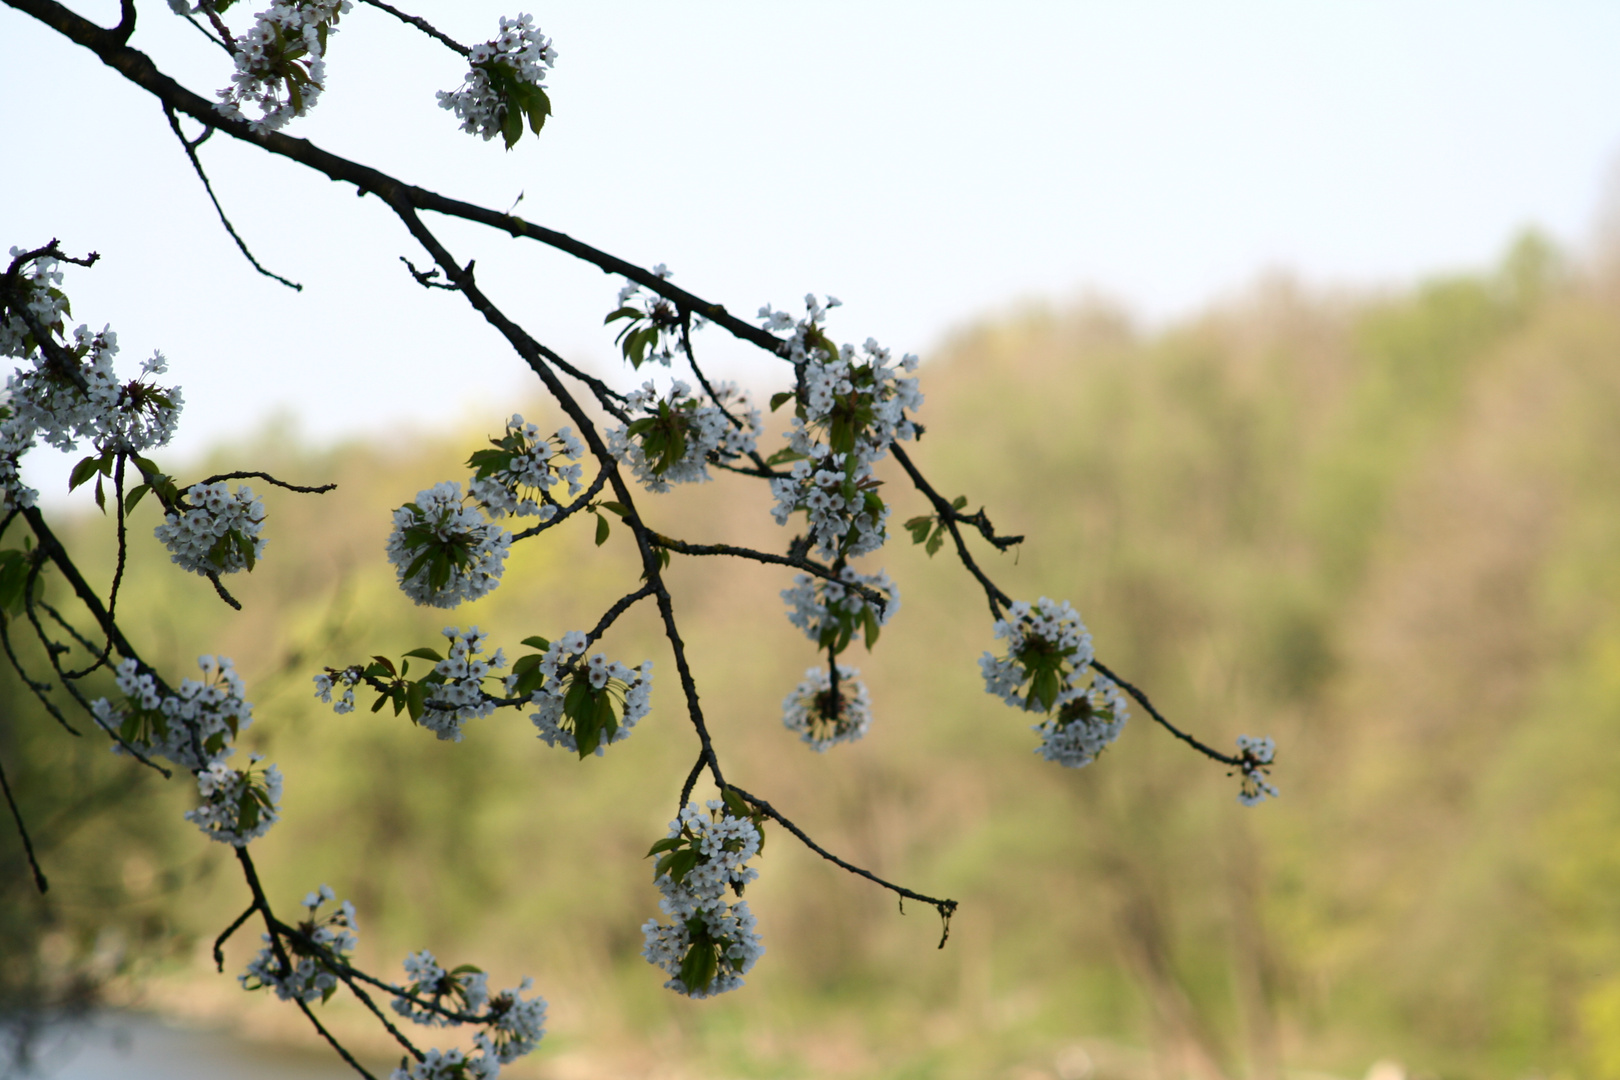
1382, 529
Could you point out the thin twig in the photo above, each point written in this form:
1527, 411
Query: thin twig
421, 24
946, 908
267, 478
22, 830
1207, 751
196, 163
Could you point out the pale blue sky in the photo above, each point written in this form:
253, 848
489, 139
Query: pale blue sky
925, 162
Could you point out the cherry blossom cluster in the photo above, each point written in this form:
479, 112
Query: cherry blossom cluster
824, 718
443, 551
1084, 725
86, 403
513, 1026
194, 727
313, 950
577, 701
709, 943
344, 680
830, 613
218, 533
460, 697
651, 323
1047, 646
238, 805
675, 435
1256, 752
463, 990
851, 405
500, 70
281, 62
838, 494
517, 475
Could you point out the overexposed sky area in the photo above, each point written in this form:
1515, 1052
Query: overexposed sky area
926, 162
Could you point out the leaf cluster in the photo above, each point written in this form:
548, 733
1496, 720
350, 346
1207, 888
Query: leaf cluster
519, 100
929, 529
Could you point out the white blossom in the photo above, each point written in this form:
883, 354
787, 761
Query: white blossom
213, 535
706, 933
516, 477
631, 687
831, 612
238, 807
521, 53
671, 438
311, 977
331, 679
460, 697
822, 720
1257, 752
1084, 726
83, 403
850, 407
281, 62
444, 552
193, 727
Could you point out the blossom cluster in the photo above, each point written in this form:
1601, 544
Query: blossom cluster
1084, 725
830, 612
281, 62
1050, 649
649, 333
342, 679
194, 727
709, 943
313, 950
823, 717
1047, 646
443, 551
217, 533
1257, 753
435, 997
673, 437
851, 406
577, 701
64, 406
517, 475
460, 697
505, 82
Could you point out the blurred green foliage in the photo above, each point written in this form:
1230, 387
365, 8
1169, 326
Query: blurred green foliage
1382, 530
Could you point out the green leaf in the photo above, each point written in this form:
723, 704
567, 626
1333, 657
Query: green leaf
778, 399
959, 502
734, 803
668, 843
101, 497
135, 495
784, 455
601, 530
918, 528
699, 967
425, 653
384, 663
537, 643
512, 126
623, 313
617, 507
935, 542
416, 701
870, 618
82, 472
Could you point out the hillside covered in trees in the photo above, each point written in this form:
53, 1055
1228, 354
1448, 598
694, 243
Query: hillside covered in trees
1382, 529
